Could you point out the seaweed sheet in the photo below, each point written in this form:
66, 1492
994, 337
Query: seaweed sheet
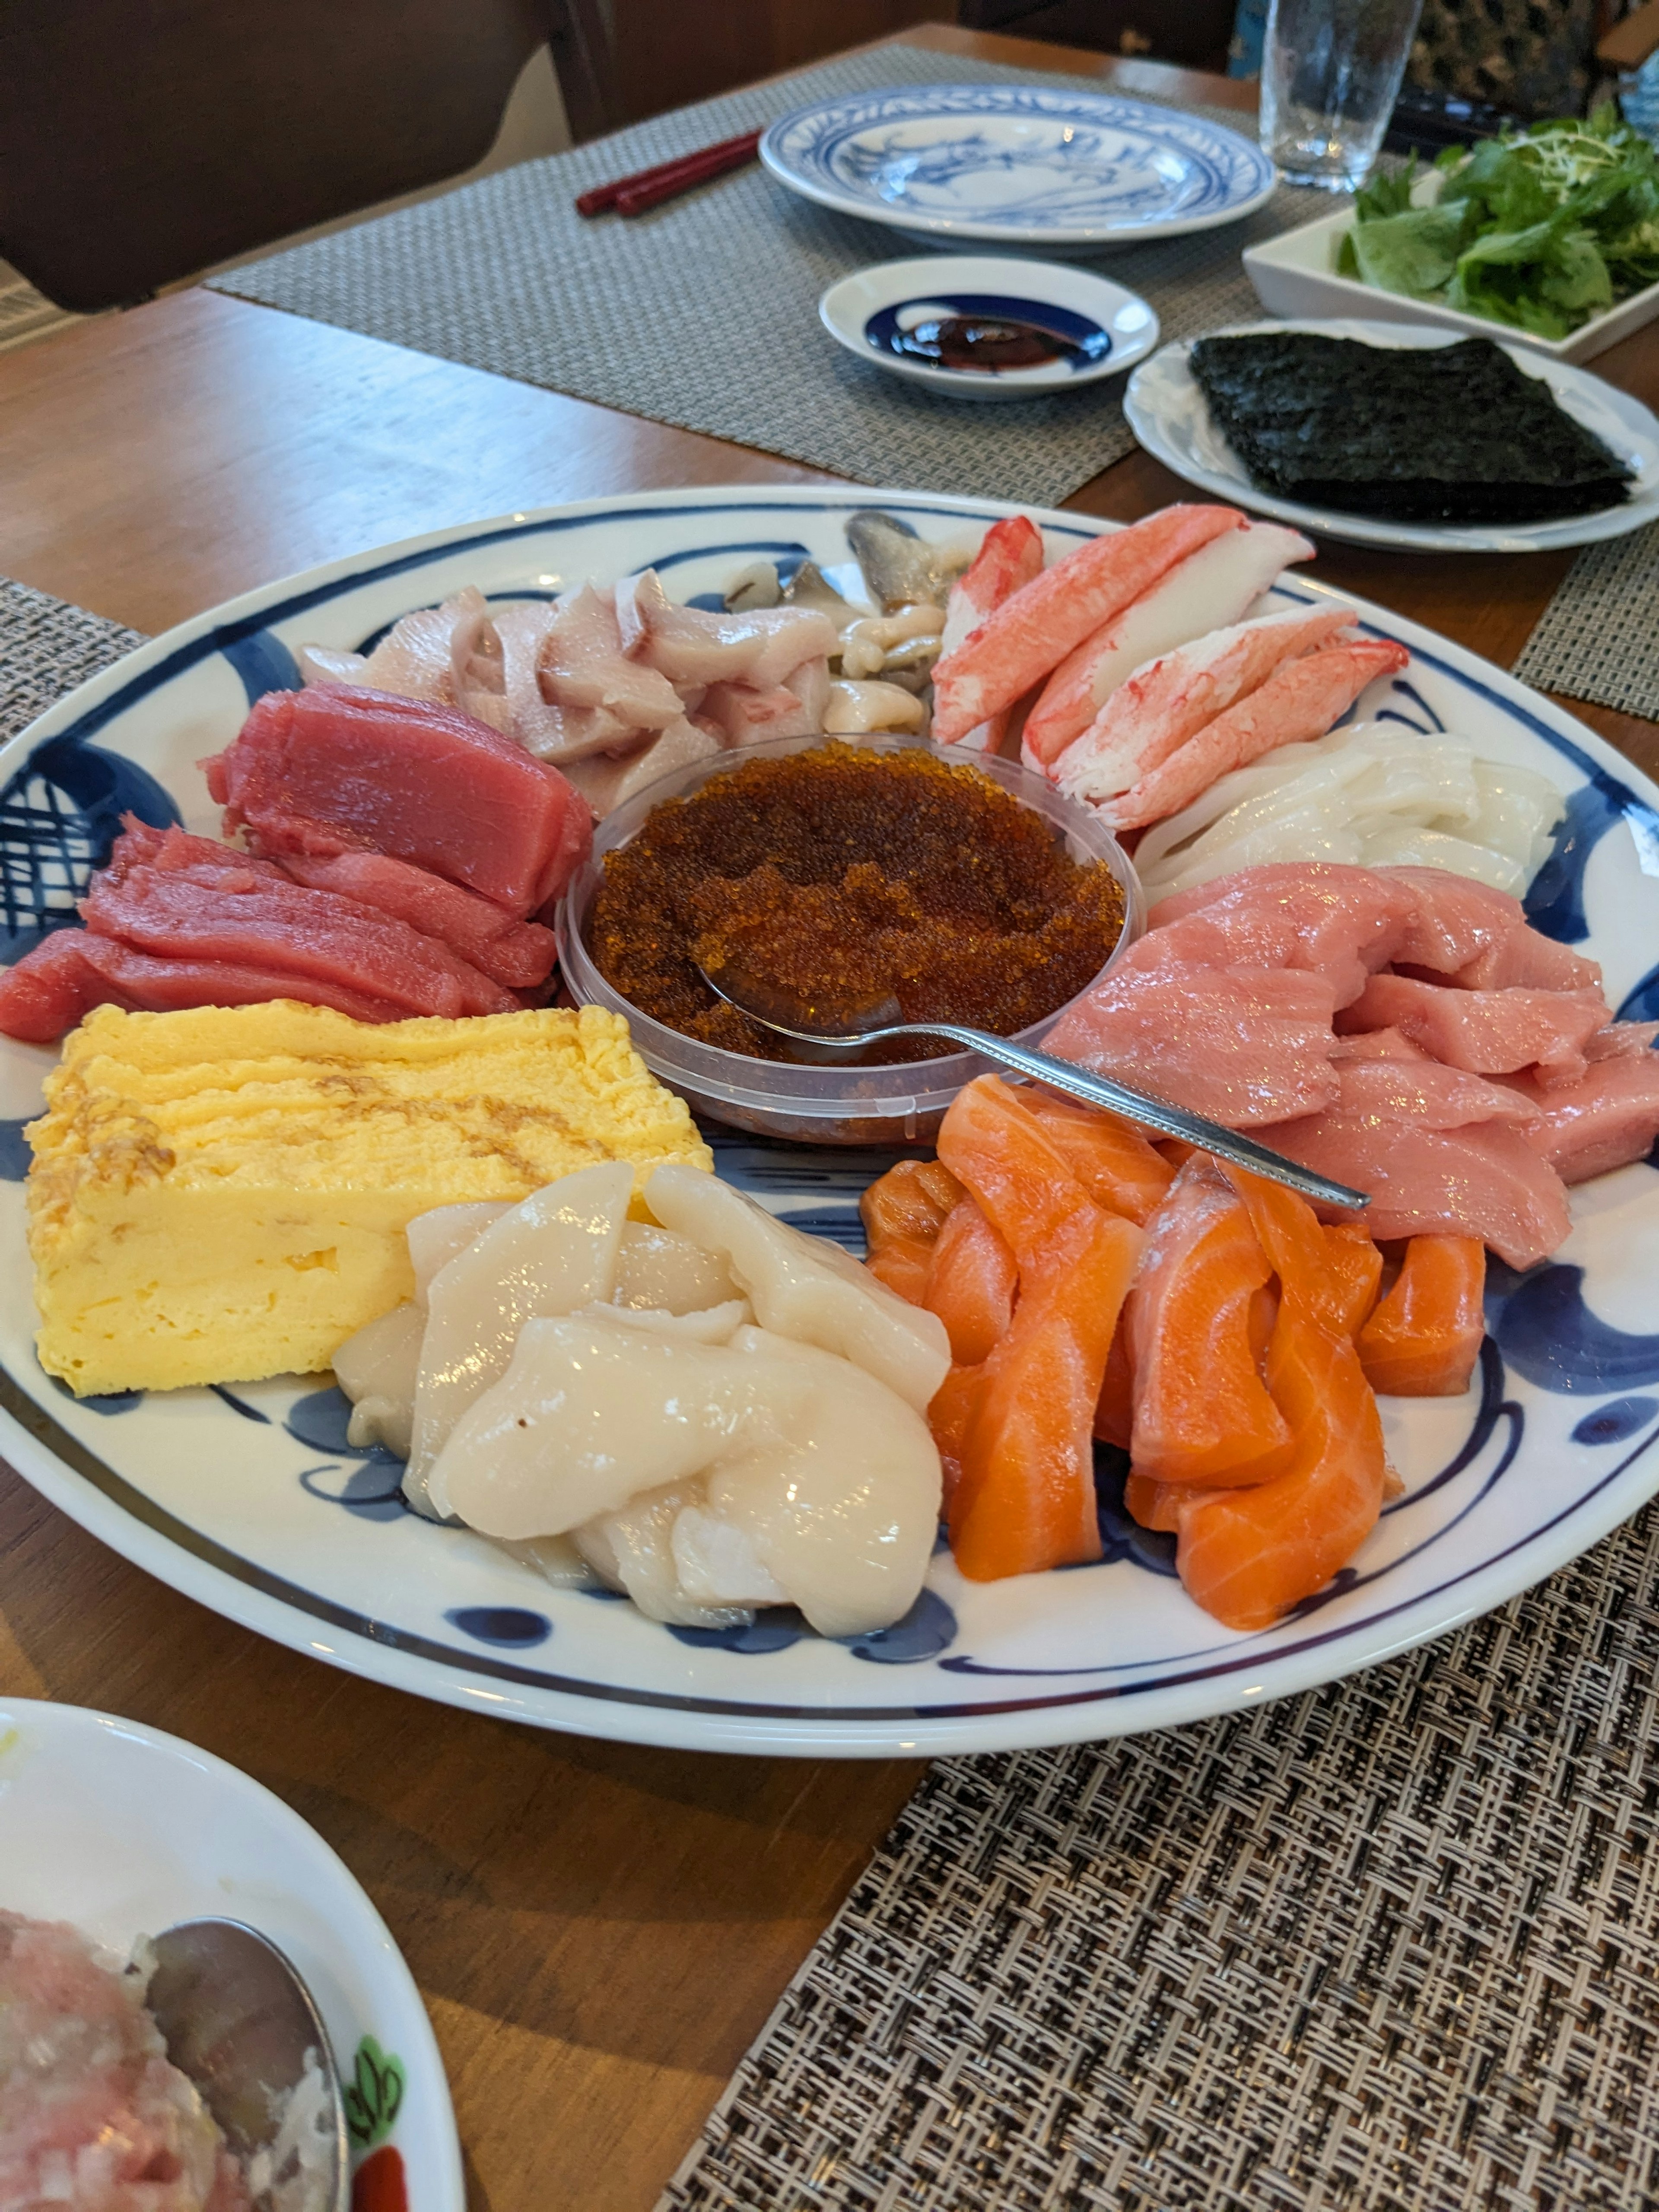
1441, 434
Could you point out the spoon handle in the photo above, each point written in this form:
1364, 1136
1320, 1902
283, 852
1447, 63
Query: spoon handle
1134, 1106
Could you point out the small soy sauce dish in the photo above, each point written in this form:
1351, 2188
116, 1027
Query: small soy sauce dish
986, 326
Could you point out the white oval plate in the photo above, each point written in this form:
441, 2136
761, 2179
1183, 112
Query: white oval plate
1168, 412
1058, 168
1117, 326
247, 1499
125, 1832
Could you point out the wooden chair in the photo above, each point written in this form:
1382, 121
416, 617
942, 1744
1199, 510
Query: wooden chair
139, 142
1194, 32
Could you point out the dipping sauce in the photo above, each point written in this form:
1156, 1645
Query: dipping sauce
988, 343
841, 876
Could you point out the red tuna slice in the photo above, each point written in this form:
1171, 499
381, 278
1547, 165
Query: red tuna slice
1301, 699
1485, 1182
1605, 1120
1423, 1091
1455, 921
55, 986
336, 769
1029, 634
203, 859
293, 931
519, 954
1487, 1032
1532, 963
1245, 1046
1343, 923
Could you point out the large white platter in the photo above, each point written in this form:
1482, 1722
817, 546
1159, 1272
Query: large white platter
125, 1832
1054, 168
1168, 412
247, 1499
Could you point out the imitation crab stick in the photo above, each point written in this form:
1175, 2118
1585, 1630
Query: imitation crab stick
1024, 1500
1032, 633
971, 1280
1424, 1338
1010, 556
904, 1211
1356, 1270
1114, 1162
1201, 1411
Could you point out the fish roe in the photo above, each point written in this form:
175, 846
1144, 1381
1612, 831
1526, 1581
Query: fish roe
841, 876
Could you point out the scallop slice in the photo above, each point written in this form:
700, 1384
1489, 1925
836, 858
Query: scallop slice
656, 1267
632, 1551
377, 1368
435, 1238
805, 1287
552, 1254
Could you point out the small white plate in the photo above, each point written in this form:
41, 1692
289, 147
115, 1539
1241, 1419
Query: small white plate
1114, 328
1295, 273
1168, 412
1060, 168
123, 1832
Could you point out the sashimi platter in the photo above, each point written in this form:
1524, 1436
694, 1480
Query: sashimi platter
450, 1233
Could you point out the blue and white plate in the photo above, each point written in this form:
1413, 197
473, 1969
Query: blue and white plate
250, 1500
1107, 328
1063, 170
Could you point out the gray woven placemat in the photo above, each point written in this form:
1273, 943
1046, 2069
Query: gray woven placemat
47, 647
1392, 1944
1599, 636
704, 313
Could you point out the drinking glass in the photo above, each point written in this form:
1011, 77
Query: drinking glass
1330, 75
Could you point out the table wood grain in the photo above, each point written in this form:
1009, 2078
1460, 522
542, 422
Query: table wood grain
599, 1930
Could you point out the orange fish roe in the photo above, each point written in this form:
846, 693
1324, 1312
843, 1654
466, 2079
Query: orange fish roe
842, 876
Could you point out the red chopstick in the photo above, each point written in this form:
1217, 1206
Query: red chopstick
649, 188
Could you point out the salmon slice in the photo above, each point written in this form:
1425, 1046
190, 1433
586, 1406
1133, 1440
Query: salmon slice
902, 1264
1290, 1234
1301, 699
1210, 588
1201, 1411
950, 1416
1010, 556
1424, 1338
1025, 1500
1115, 1408
1032, 632
1248, 1555
1356, 1272
1170, 700
1114, 1162
971, 1283
993, 1142
1155, 1504
904, 1211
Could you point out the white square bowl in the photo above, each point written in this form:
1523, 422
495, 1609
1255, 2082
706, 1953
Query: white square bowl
1295, 277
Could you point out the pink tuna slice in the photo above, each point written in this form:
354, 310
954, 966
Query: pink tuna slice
292, 931
1420, 1091
335, 770
690, 644
1343, 922
1456, 920
1204, 593
1377, 1044
1245, 1046
1032, 632
1009, 557
1302, 699
1167, 701
583, 664
1532, 961
1606, 1119
1485, 1181
51, 988
1486, 1032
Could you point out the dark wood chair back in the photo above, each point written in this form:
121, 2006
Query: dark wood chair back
1194, 32
142, 140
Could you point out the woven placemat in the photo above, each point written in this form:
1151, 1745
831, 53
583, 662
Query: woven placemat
47, 647
1599, 636
1392, 1944
704, 313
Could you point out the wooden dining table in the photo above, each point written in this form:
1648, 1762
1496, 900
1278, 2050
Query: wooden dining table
598, 1929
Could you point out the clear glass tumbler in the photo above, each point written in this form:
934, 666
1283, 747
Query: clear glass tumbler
1330, 75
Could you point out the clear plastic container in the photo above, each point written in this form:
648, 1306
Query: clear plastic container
876, 1105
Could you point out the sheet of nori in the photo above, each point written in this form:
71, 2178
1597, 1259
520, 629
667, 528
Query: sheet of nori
1431, 434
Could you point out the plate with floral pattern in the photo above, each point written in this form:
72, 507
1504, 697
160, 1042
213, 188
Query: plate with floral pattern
251, 1499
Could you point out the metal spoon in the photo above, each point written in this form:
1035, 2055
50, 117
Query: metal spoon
830, 1041
241, 2025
